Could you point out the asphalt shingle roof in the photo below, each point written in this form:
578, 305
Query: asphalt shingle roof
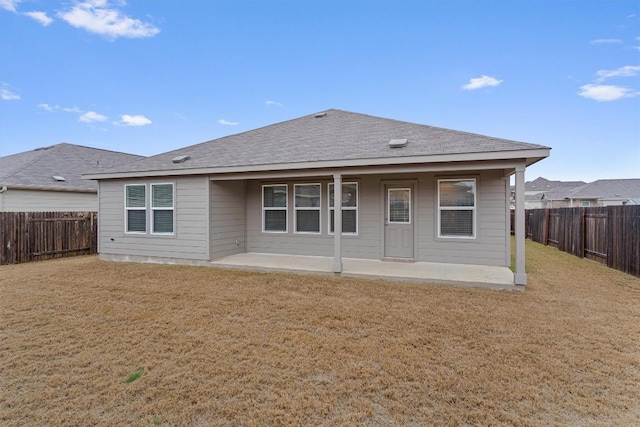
608, 189
335, 136
36, 168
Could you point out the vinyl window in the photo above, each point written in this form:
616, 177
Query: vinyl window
274, 208
162, 208
457, 202
307, 208
135, 208
349, 208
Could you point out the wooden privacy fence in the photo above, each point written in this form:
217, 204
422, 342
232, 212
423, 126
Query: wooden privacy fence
610, 235
35, 236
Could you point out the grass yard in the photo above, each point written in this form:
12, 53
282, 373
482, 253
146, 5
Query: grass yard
85, 342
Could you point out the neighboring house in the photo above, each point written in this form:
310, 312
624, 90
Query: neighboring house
603, 192
405, 192
49, 178
536, 192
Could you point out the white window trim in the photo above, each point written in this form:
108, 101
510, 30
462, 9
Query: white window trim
296, 209
126, 209
172, 208
344, 208
285, 209
389, 205
473, 208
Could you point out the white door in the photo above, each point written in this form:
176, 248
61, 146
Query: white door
398, 223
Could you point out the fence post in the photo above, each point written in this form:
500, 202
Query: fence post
583, 226
545, 227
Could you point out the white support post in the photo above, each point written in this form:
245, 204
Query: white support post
520, 275
337, 223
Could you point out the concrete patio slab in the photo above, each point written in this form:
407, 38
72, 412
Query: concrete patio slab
424, 272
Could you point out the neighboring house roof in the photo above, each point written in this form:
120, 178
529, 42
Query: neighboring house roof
562, 191
533, 197
542, 184
332, 138
608, 189
58, 167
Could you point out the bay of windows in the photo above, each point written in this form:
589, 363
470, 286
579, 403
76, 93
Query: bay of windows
307, 208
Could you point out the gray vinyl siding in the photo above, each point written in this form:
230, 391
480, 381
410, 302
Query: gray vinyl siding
14, 200
227, 219
488, 248
191, 233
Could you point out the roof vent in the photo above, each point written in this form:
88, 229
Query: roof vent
181, 159
320, 115
43, 148
398, 143
59, 178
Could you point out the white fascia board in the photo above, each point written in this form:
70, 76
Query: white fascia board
532, 156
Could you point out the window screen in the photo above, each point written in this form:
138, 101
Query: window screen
136, 208
307, 208
349, 208
457, 207
274, 208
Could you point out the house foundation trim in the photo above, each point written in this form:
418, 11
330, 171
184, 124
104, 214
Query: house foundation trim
337, 223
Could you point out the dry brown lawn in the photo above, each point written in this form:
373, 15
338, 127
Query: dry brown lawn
227, 348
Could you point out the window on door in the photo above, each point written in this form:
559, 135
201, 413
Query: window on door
399, 206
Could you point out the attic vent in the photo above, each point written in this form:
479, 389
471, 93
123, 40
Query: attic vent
398, 143
59, 178
320, 115
181, 159
43, 148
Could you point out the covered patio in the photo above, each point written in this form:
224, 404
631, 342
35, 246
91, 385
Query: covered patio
480, 276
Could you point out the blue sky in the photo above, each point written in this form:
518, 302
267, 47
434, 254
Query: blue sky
150, 76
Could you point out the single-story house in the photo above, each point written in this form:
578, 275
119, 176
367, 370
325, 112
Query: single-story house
49, 178
536, 192
402, 192
603, 192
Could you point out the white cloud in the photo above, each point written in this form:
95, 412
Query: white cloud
227, 122
606, 92
92, 117
626, 71
273, 103
606, 41
41, 17
9, 5
48, 107
128, 120
480, 82
98, 17
71, 110
7, 95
